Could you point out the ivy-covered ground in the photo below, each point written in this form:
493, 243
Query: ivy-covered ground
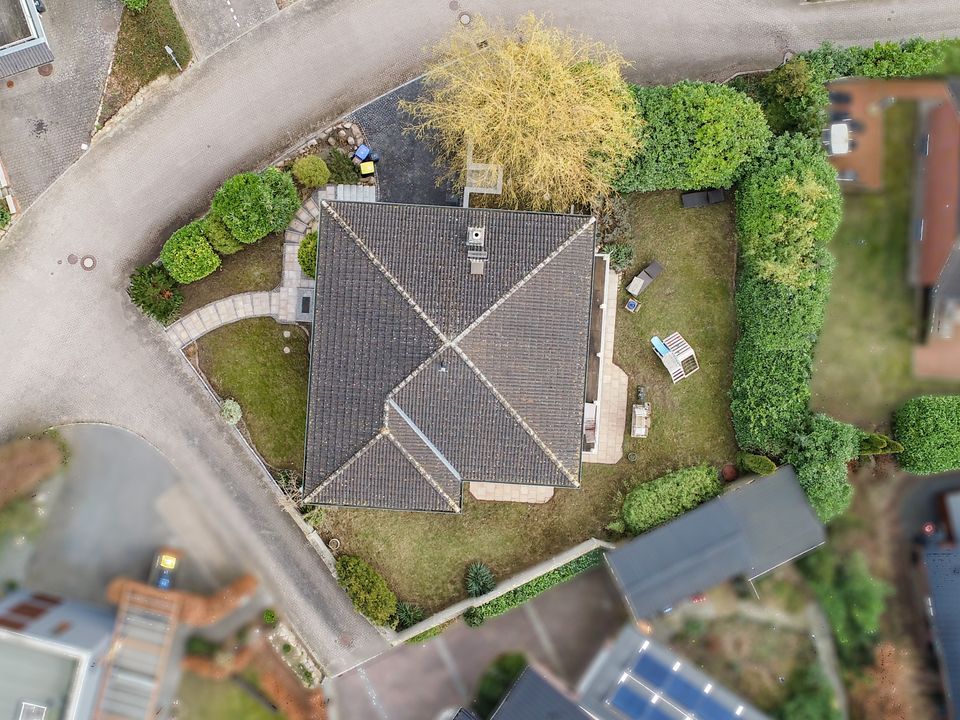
862, 370
423, 555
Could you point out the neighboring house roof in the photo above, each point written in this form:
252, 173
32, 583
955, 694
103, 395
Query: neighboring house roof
424, 375
943, 577
534, 697
464, 714
23, 44
745, 532
941, 192
638, 679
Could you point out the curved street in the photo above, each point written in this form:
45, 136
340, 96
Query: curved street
73, 348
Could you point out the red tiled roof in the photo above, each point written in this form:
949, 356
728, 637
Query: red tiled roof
941, 193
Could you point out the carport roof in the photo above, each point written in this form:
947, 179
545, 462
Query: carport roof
747, 532
534, 697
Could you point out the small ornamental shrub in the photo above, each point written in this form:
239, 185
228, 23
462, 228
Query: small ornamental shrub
4, 216
756, 464
877, 444
230, 411
269, 617
187, 255
311, 171
307, 254
284, 199
156, 293
479, 579
342, 169
621, 255
199, 646
658, 501
136, 5
497, 681
219, 236
928, 428
367, 589
474, 617
287, 648
408, 615
245, 205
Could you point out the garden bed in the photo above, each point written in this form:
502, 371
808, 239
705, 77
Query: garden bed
245, 361
423, 555
140, 57
863, 367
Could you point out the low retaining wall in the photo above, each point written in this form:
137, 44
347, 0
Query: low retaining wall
511, 583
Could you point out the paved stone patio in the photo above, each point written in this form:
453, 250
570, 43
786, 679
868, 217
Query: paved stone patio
508, 492
612, 419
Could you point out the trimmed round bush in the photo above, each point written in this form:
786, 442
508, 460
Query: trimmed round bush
311, 171
479, 579
658, 501
928, 427
187, 255
756, 464
156, 293
219, 236
284, 198
366, 589
307, 254
474, 617
4, 217
245, 206
230, 411
270, 617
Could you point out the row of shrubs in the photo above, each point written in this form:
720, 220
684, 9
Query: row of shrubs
656, 502
794, 96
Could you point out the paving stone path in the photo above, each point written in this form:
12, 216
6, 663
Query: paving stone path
281, 303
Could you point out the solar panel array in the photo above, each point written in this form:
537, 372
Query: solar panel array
652, 690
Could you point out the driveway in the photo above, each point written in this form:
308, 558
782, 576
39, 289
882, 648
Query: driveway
45, 120
563, 630
73, 348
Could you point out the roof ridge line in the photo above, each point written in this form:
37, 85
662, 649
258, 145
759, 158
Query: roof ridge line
523, 281
423, 471
347, 463
421, 313
521, 421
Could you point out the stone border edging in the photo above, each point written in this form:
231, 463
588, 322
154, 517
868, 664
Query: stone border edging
512, 583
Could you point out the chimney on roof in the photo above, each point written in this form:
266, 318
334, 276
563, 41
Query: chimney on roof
475, 250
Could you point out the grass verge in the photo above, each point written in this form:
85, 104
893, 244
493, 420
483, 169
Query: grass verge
202, 699
256, 267
423, 555
862, 370
139, 57
245, 361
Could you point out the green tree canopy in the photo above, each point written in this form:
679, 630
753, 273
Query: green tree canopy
694, 135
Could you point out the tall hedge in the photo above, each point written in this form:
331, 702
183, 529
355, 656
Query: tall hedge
187, 255
928, 427
820, 455
695, 135
658, 501
284, 199
788, 207
366, 589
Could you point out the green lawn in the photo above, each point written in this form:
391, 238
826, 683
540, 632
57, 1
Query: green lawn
256, 267
139, 56
245, 361
423, 555
202, 699
862, 370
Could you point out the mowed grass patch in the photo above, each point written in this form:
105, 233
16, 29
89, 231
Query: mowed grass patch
140, 57
863, 365
255, 268
245, 361
423, 555
202, 699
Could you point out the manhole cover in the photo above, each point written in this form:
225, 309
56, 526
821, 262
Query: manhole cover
454, 5
45, 70
72, 259
9, 83
88, 262
345, 640
464, 18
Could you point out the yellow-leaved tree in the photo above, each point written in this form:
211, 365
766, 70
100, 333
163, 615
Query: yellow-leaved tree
552, 109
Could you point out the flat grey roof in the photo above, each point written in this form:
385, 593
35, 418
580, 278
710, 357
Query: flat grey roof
639, 679
745, 532
943, 578
15, 22
31, 674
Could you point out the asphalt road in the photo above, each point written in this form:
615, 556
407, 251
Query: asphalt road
73, 348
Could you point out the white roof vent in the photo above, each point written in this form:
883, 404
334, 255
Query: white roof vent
475, 237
